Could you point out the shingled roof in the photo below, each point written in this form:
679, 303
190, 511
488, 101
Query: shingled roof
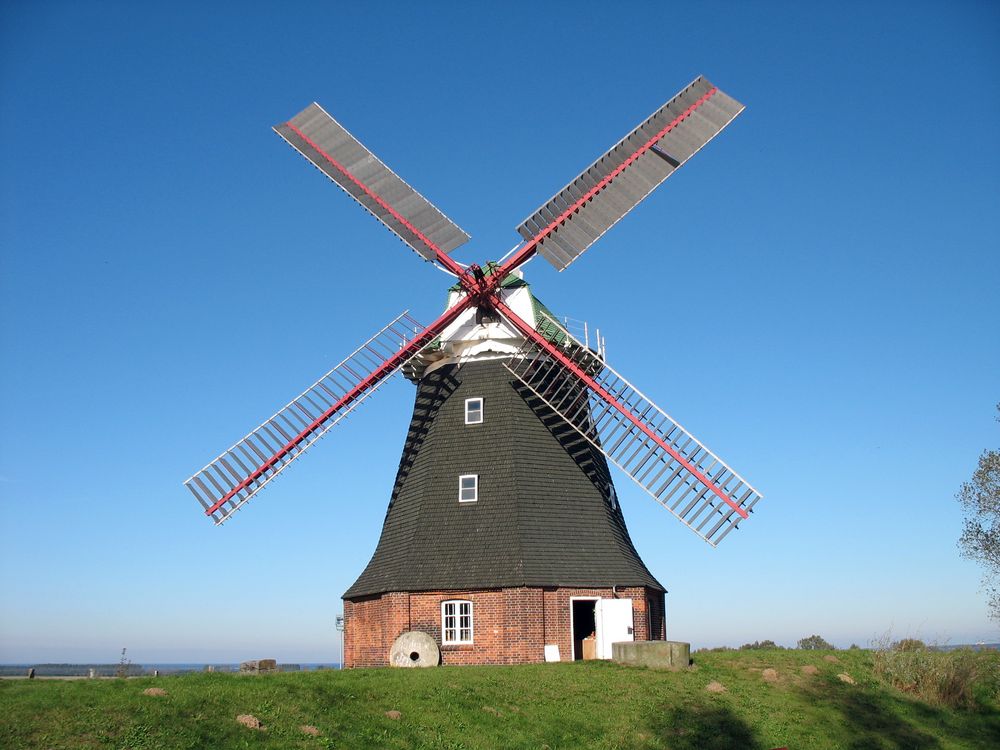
545, 514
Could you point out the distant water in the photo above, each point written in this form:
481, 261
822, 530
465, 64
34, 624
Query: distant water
138, 670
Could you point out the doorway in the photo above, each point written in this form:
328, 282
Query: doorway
583, 624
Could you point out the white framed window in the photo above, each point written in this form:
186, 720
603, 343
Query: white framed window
456, 622
468, 488
474, 411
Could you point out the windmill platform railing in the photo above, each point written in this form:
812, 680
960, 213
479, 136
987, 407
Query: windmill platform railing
583, 331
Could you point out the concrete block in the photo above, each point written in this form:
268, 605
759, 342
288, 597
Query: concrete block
654, 654
257, 666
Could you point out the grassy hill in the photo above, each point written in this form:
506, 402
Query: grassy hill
803, 703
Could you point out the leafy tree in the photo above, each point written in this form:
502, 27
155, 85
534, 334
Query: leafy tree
980, 540
814, 642
758, 645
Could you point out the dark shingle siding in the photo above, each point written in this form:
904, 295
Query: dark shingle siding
542, 518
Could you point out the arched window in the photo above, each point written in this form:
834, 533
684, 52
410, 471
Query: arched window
456, 622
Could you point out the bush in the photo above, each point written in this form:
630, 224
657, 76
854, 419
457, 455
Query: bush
909, 644
814, 642
948, 678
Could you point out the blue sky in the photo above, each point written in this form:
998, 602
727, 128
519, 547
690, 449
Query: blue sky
814, 296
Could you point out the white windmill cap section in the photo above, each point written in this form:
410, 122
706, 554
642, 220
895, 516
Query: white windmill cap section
470, 338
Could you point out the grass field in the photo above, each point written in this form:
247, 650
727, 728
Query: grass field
581, 705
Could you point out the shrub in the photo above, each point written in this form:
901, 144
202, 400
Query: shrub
948, 678
815, 642
909, 644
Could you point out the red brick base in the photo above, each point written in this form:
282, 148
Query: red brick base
512, 626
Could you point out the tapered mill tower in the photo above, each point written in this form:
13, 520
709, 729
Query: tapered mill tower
503, 541
536, 530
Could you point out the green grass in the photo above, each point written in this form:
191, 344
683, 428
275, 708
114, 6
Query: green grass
582, 705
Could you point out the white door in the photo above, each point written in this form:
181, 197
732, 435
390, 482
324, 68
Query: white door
614, 623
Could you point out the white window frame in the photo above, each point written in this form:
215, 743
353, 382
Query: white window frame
482, 412
475, 488
456, 630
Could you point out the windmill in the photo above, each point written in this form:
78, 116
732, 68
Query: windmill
503, 541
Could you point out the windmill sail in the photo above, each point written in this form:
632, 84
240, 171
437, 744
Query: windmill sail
342, 158
613, 185
226, 483
634, 433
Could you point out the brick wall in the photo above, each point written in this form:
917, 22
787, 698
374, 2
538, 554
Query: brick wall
511, 625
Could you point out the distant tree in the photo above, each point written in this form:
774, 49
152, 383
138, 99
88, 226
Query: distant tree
909, 644
854, 647
814, 642
980, 540
757, 645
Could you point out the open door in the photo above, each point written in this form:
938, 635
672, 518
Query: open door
614, 624
583, 627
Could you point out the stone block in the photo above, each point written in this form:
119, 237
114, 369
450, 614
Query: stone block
256, 666
654, 654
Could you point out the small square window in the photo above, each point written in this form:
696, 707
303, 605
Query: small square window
473, 411
468, 488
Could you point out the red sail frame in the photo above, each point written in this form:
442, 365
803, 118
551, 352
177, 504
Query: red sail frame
543, 343
383, 371
529, 249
